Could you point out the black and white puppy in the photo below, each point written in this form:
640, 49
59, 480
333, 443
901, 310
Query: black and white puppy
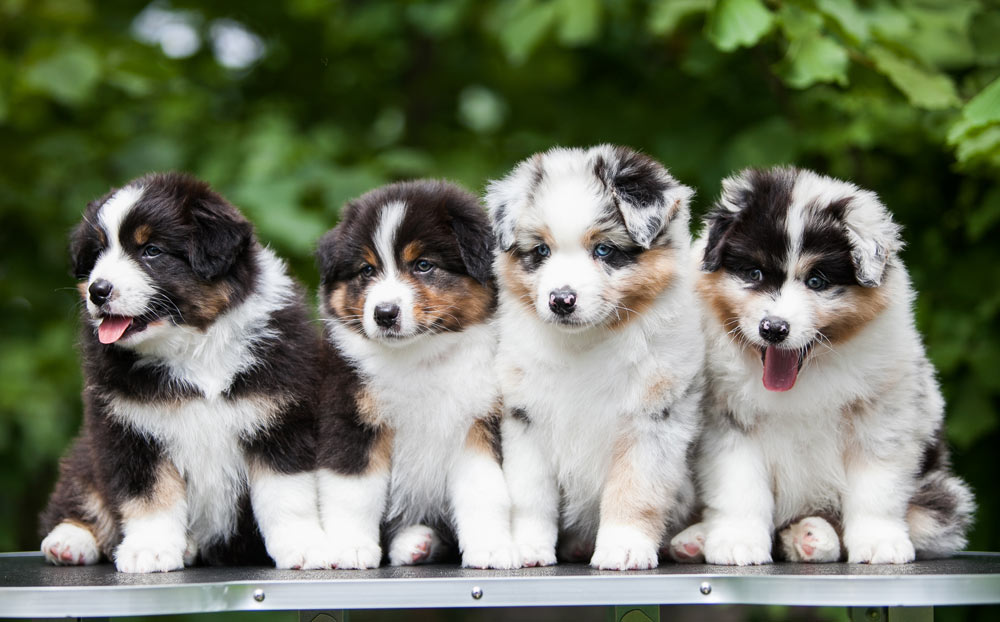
200, 366
823, 412
410, 439
600, 354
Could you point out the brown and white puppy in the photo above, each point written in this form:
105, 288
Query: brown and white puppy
600, 354
407, 294
822, 403
200, 366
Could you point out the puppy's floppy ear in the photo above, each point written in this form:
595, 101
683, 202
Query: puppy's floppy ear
475, 239
873, 236
720, 220
506, 197
328, 255
647, 196
221, 232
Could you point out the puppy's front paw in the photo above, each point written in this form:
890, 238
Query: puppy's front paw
299, 549
812, 539
738, 545
413, 545
69, 544
689, 545
501, 556
355, 554
623, 548
533, 555
878, 542
143, 555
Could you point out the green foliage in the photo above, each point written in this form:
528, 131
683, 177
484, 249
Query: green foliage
901, 96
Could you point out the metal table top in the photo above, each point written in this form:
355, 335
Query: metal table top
31, 588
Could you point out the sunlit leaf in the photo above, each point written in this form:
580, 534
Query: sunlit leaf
738, 23
666, 15
923, 87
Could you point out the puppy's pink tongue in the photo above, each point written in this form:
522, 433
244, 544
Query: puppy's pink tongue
781, 367
112, 328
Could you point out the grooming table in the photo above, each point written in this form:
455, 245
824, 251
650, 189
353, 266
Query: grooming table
29, 588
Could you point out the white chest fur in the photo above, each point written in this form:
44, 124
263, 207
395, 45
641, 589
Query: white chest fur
201, 437
429, 393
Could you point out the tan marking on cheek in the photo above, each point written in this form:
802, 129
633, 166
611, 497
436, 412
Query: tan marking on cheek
168, 490
651, 274
856, 307
412, 252
516, 280
82, 288
142, 234
466, 302
380, 456
628, 498
101, 236
341, 305
210, 304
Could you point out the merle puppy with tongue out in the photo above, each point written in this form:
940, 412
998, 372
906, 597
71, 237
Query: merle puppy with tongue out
824, 418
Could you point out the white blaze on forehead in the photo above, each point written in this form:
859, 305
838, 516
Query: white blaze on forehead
389, 220
131, 286
570, 208
389, 288
113, 212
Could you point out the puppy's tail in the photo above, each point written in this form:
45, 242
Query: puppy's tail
940, 515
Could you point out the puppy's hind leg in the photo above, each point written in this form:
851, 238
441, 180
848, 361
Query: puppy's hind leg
416, 544
811, 539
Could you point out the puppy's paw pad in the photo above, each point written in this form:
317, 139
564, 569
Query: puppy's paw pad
360, 555
738, 547
889, 550
299, 550
811, 539
688, 546
503, 557
70, 545
534, 555
413, 545
144, 557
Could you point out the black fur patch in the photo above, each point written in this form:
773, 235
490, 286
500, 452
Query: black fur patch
520, 415
753, 237
826, 237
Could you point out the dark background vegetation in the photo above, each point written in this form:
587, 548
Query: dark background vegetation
289, 108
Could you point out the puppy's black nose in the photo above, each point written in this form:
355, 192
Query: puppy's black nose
100, 291
773, 329
562, 301
386, 314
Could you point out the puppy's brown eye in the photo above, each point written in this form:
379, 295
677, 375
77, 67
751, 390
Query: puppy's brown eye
423, 266
367, 270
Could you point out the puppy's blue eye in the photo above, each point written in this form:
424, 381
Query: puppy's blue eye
368, 270
603, 250
151, 251
755, 275
543, 250
816, 283
423, 266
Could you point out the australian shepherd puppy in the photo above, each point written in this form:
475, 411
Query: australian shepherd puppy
410, 440
824, 417
199, 366
600, 354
